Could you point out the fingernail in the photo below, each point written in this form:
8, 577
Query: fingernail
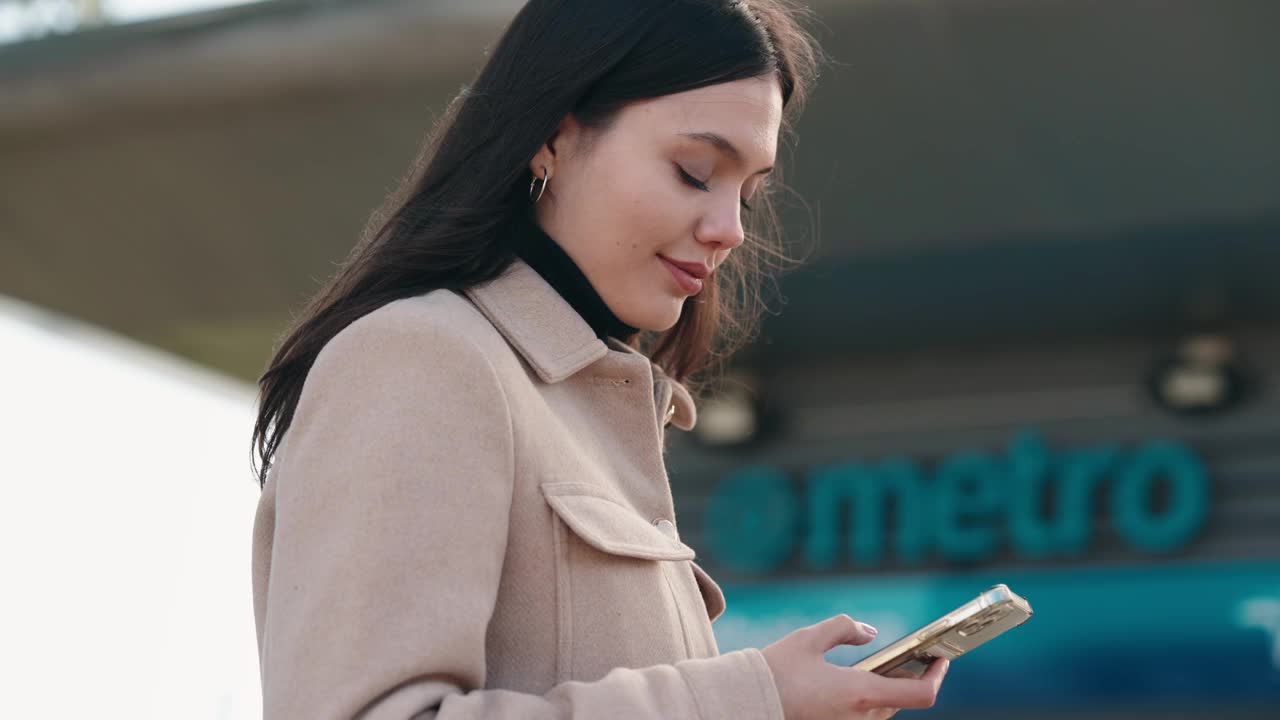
870, 630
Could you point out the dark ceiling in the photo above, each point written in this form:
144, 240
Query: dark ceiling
972, 171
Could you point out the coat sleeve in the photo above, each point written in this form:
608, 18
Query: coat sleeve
393, 489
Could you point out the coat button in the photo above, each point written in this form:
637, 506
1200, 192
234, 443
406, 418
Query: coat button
667, 527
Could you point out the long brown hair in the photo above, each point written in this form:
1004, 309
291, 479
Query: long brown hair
444, 226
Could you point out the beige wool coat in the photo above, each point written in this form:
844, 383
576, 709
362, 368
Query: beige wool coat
470, 517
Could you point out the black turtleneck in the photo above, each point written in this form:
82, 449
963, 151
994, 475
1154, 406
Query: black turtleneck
545, 255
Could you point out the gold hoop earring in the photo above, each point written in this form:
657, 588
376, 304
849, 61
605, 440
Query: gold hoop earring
545, 178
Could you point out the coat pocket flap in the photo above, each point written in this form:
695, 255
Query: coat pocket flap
607, 525
712, 595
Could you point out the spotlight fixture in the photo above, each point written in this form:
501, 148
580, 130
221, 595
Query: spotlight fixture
1202, 376
733, 416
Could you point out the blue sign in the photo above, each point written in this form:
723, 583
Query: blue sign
1038, 502
1205, 635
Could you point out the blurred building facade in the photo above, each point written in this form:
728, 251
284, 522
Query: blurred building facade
1037, 343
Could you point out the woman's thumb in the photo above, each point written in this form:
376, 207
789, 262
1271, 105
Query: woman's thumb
839, 630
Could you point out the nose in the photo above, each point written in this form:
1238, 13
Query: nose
722, 229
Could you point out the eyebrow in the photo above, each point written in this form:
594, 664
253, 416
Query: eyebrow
724, 146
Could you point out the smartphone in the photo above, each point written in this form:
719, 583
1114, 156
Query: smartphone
994, 611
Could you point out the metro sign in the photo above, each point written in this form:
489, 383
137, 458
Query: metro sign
1040, 503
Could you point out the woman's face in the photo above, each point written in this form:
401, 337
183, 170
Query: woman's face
658, 186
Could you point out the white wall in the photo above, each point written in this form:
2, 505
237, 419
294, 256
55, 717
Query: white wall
125, 529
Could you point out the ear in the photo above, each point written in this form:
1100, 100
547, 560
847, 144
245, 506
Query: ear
557, 147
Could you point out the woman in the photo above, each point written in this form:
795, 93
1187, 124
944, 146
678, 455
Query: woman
465, 512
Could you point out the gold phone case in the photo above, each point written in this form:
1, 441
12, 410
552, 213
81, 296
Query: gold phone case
994, 611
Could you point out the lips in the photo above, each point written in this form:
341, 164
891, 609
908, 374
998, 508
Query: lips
695, 269
688, 282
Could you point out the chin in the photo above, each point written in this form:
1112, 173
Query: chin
657, 319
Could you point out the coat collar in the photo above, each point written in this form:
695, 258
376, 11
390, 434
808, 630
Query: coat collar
552, 337
538, 322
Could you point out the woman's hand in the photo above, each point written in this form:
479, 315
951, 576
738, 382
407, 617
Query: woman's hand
813, 689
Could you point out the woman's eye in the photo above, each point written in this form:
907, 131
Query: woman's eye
691, 179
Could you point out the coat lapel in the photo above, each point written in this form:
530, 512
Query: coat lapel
554, 339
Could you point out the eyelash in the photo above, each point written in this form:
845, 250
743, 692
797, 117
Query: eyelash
691, 180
